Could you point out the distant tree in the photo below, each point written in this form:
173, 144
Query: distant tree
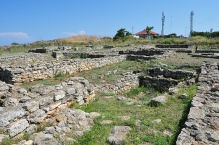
121, 33
148, 30
14, 43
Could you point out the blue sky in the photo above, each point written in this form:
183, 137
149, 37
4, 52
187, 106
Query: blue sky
25, 21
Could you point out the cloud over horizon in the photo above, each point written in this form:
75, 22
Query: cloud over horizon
18, 35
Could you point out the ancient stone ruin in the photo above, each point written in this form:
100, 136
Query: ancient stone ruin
26, 110
163, 79
202, 125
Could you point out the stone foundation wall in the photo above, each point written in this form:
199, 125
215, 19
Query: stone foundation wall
202, 125
48, 69
172, 46
127, 81
163, 79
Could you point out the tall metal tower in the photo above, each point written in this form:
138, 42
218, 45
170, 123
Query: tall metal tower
191, 22
163, 20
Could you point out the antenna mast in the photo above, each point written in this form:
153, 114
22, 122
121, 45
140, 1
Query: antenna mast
191, 23
163, 20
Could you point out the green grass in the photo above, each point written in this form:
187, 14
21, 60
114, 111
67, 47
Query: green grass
111, 72
172, 117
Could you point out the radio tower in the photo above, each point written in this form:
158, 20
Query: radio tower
191, 23
163, 20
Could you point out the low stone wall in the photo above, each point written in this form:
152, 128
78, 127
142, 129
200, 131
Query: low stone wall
163, 79
21, 110
145, 52
127, 81
202, 125
172, 46
160, 84
207, 55
167, 73
42, 69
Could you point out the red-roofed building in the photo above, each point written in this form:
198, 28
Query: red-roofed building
144, 34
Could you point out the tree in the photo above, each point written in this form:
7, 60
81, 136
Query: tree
148, 30
121, 34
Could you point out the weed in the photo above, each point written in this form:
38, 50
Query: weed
7, 141
26, 136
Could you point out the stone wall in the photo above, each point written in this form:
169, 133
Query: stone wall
48, 69
22, 110
163, 79
127, 81
172, 46
202, 125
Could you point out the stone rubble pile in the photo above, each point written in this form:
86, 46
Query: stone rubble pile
202, 125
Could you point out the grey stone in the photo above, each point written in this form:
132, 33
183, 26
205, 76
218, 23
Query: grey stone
118, 134
71, 91
45, 101
59, 95
10, 114
125, 118
31, 129
24, 142
156, 121
17, 127
172, 91
24, 99
54, 105
184, 96
50, 130
159, 100
94, 115
3, 87
37, 117
31, 106
107, 122
44, 139
18, 71
196, 113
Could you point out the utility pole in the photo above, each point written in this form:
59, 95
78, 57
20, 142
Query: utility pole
191, 23
163, 20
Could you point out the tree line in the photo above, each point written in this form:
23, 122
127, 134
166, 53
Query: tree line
206, 34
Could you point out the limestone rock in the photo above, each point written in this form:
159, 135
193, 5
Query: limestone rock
158, 100
44, 139
184, 96
37, 117
10, 114
156, 121
24, 142
59, 95
31, 106
17, 127
118, 134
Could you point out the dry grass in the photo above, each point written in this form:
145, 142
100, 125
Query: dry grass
79, 38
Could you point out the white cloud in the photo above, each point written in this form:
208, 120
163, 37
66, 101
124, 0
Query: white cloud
19, 35
82, 32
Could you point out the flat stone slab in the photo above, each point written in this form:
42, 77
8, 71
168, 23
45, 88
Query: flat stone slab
118, 134
158, 100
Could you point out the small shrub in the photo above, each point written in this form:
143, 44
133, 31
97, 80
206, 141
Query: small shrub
84, 56
26, 136
7, 141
